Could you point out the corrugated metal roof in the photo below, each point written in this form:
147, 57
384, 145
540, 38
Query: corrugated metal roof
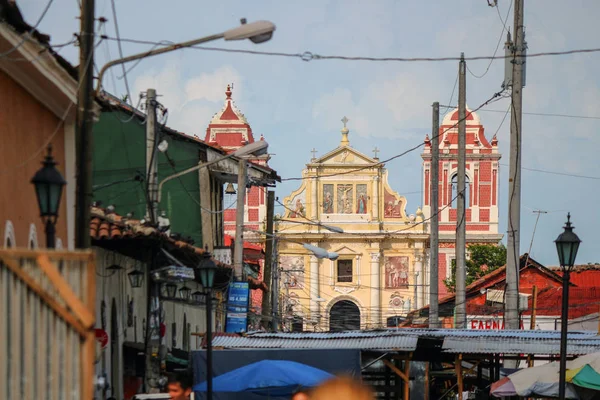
522, 345
330, 335
534, 334
318, 341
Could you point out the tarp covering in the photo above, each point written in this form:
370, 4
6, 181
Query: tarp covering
337, 362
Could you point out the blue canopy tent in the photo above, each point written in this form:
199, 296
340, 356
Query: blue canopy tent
335, 361
268, 377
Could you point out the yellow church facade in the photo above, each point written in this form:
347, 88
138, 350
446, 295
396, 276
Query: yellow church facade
345, 205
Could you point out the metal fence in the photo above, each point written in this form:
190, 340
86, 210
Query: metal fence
47, 339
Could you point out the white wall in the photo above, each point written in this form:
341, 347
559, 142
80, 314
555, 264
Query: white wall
111, 285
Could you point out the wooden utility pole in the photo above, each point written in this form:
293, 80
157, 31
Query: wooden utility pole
268, 267
83, 127
434, 320
461, 246
238, 245
511, 312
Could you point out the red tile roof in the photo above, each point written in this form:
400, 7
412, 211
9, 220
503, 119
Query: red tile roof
111, 226
586, 275
582, 302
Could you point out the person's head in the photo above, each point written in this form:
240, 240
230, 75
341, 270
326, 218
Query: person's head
301, 394
180, 386
342, 388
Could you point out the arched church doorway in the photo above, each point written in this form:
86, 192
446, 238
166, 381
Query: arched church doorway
344, 316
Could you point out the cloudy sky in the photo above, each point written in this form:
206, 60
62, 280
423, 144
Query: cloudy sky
298, 105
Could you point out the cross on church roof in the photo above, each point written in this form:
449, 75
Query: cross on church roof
314, 153
345, 121
375, 151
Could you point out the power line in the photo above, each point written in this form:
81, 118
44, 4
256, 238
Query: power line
379, 163
558, 173
114, 12
33, 29
56, 130
309, 56
550, 115
497, 44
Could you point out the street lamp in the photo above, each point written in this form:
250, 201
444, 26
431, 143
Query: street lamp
184, 293
49, 184
171, 290
197, 297
257, 32
135, 278
567, 245
206, 270
255, 149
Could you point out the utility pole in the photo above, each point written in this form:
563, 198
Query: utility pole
238, 249
511, 311
84, 123
434, 320
152, 313
268, 268
151, 156
276, 281
461, 245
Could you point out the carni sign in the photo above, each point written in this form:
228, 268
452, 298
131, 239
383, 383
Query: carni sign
237, 307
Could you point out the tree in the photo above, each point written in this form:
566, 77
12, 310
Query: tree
481, 260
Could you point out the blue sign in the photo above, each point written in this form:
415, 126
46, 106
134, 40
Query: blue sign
237, 307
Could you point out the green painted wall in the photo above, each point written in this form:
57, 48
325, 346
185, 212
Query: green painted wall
120, 153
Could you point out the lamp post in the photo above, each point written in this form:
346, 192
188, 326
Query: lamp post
206, 270
49, 184
257, 32
567, 245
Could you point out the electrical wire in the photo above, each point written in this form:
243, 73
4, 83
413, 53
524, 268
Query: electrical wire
421, 144
114, 12
33, 29
309, 56
549, 115
56, 130
497, 45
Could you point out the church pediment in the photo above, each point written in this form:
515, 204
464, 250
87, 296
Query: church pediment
346, 251
345, 156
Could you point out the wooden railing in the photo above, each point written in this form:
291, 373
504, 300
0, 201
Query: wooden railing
47, 341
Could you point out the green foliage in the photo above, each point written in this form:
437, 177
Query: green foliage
481, 260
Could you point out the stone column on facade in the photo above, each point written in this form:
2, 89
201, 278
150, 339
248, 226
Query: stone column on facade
314, 288
376, 198
315, 205
420, 274
375, 289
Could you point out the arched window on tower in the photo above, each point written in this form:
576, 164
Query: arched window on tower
454, 184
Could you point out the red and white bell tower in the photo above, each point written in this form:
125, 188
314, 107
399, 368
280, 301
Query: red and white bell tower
230, 130
481, 200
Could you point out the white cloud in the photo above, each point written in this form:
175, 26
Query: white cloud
211, 86
191, 102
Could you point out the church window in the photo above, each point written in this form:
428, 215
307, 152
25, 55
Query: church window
344, 270
454, 185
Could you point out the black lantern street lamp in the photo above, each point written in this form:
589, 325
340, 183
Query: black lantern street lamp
136, 277
567, 245
206, 270
171, 289
184, 293
197, 297
49, 184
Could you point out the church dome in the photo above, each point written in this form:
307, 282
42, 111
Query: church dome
451, 118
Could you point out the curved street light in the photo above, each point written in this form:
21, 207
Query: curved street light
253, 149
257, 32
